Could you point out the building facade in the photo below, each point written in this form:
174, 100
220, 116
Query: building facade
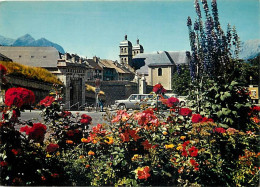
160, 66
70, 69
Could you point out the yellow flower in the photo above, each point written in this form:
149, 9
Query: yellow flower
58, 153
84, 140
48, 155
136, 156
170, 146
179, 147
165, 132
94, 141
91, 153
182, 137
110, 140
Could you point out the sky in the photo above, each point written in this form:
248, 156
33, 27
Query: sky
95, 27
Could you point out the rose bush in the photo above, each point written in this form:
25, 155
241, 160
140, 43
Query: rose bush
145, 148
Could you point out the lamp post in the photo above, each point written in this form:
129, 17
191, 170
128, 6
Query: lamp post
97, 90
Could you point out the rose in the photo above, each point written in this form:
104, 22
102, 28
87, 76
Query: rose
18, 97
52, 147
172, 101
158, 89
36, 132
185, 112
47, 101
196, 118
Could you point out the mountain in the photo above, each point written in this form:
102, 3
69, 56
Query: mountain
28, 40
6, 41
25, 40
250, 49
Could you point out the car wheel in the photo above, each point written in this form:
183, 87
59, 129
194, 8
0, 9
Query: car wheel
122, 107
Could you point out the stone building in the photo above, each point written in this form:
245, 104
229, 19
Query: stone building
128, 51
159, 67
70, 69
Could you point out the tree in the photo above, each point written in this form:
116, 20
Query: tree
181, 81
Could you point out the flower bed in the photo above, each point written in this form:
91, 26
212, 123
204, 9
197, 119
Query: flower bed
147, 147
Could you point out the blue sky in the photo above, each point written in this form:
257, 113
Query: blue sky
91, 28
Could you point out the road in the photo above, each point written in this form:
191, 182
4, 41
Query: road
34, 115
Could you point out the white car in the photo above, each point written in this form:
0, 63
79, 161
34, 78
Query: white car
134, 101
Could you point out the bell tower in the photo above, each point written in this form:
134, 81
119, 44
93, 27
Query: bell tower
125, 54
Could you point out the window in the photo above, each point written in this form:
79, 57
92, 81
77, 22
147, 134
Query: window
44, 56
32, 56
159, 71
20, 56
125, 60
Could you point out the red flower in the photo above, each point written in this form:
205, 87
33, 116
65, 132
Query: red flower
52, 147
70, 133
133, 134
144, 174
3, 70
184, 152
66, 113
219, 130
186, 143
47, 101
3, 163
172, 101
18, 97
125, 137
15, 152
55, 175
147, 145
158, 89
185, 112
207, 119
193, 151
196, 118
194, 164
85, 119
36, 132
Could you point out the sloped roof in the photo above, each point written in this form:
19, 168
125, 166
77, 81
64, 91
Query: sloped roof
161, 58
110, 64
32, 56
94, 64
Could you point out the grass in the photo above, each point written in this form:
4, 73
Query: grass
34, 73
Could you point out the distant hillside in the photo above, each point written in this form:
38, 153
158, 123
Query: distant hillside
6, 41
250, 49
28, 40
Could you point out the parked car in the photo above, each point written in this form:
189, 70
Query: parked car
134, 101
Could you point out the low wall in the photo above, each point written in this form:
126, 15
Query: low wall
115, 90
40, 89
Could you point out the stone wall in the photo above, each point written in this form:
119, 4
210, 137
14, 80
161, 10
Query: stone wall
40, 89
115, 90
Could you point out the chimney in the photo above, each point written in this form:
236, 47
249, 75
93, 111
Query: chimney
95, 59
126, 37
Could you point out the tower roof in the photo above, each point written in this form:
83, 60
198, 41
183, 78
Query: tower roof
125, 43
138, 46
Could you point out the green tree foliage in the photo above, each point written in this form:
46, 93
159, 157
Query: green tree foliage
181, 81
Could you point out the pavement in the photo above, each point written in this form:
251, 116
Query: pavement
35, 116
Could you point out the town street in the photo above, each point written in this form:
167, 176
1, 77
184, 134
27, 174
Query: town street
34, 115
